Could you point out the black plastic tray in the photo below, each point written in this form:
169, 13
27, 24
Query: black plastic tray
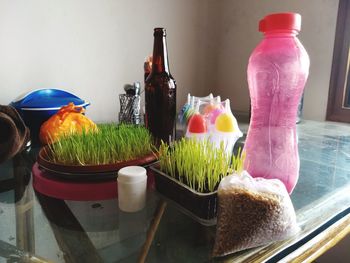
200, 206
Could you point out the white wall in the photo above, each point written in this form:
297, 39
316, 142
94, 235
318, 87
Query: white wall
238, 25
92, 48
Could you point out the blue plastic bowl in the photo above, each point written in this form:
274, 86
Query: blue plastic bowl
39, 105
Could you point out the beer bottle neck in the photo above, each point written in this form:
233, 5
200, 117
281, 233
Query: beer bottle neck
160, 55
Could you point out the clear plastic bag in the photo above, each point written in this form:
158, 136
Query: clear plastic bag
252, 212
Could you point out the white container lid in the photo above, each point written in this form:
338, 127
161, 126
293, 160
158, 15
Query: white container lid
132, 174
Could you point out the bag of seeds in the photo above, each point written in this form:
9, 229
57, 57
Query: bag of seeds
252, 212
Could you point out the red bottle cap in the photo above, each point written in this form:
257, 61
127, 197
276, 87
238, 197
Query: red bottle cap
280, 21
197, 124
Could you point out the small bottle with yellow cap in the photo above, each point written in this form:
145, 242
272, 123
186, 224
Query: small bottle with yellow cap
226, 129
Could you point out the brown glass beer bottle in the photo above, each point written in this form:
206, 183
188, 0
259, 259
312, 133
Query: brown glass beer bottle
160, 92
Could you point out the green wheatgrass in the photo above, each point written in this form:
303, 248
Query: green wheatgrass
110, 144
200, 165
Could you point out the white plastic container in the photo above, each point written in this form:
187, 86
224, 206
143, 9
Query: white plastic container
132, 186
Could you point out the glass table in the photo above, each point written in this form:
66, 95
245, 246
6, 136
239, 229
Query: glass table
38, 228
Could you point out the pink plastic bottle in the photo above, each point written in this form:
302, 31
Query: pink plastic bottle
277, 71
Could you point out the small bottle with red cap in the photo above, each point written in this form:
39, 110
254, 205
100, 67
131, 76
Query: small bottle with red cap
197, 126
277, 72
